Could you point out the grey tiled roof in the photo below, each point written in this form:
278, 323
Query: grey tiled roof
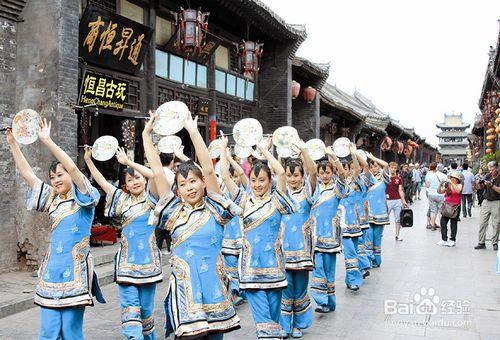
295, 29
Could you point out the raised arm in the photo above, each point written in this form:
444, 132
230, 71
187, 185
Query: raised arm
162, 185
96, 174
356, 169
332, 157
274, 164
364, 164
22, 164
224, 168
238, 170
123, 159
191, 125
380, 162
61, 156
309, 165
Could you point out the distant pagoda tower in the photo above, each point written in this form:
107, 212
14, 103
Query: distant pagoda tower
453, 139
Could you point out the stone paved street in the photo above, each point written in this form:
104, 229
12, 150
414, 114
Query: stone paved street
460, 283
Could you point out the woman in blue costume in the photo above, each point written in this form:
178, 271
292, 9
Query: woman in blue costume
66, 278
362, 205
198, 302
233, 232
327, 234
262, 265
377, 208
138, 261
349, 222
301, 179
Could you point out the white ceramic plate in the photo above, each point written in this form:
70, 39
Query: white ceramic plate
284, 152
214, 149
104, 148
242, 151
341, 147
171, 117
169, 144
285, 136
247, 132
316, 148
25, 126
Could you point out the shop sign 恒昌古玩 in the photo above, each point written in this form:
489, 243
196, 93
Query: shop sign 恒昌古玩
105, 92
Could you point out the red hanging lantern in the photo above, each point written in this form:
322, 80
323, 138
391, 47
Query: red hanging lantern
309, 94
295, 89
386, 143
250, 53
191, 26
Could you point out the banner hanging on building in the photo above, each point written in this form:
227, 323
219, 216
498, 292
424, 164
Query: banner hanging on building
110, 40
106, 92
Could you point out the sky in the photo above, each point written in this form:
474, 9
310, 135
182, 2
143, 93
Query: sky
415, 60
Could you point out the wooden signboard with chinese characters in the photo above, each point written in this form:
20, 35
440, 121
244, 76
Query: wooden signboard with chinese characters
106, 92
110, 40
211, 44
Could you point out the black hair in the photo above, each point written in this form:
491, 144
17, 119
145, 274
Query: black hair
294, 163
185, 167
323, 163
454, 165
53, 167
259, 166
166, 158
130, 171
465, 166
231, 170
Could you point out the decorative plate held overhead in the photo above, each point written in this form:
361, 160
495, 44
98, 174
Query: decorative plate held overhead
214, 149
285, 136
25, 126
341, 147
104, 148
315, 148
242, 151
171, 117
169, 144
362, 154
247, 132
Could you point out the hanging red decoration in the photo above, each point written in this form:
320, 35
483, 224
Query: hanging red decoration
295, 89
309, 94
191, 26
250, 53
386, 144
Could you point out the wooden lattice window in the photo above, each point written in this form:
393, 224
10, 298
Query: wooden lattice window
234, 64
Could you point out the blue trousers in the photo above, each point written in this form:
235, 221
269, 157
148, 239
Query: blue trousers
323, 280
266, 310
296, 309
374, 244
231, 264
137, 304
363, 259
64, 323
353, 274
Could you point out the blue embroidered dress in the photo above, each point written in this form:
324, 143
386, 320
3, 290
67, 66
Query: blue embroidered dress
262, 265
297, 247
198, 300
327, 234
327, 239
66, 274
138, 260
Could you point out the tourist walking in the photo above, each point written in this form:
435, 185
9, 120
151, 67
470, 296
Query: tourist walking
452, 190
395, 197
433, 181
468, 186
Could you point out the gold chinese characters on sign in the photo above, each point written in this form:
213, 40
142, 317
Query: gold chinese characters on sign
106, 92
111, 40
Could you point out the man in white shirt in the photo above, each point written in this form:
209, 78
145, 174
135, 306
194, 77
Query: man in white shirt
469, 180
433, 180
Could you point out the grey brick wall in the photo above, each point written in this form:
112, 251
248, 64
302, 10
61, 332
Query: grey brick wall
275, 104
41, 68
306, 117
